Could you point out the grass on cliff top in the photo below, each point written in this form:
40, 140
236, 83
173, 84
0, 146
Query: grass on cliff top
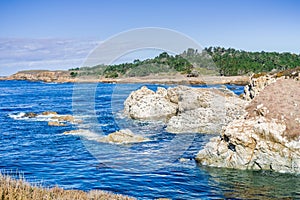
11, 189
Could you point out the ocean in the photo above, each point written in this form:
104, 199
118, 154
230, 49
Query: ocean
161, 167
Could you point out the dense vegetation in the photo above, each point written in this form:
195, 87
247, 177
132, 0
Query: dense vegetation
162, 63
212, 61
237, 62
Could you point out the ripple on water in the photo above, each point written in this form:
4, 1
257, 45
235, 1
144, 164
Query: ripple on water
44, 154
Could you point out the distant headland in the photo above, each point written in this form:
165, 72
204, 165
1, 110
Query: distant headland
213, 65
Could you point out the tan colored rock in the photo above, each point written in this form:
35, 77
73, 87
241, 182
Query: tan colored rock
124, 136
55, 123
49, 113
66, 118
267, 138
253, 144
30, 115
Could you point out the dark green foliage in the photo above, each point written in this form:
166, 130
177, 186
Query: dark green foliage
210, 61
162, 63
237, 62
73, 74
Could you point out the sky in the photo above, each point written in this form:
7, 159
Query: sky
59, 34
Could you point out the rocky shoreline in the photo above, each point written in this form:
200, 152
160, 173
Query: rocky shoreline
267, 137
258, 130
65, 77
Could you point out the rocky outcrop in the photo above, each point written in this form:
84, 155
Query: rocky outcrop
43, 75
148, 105
267, 138
253, 144
259, 81
124, 136
186, 109
56, 123
53, 118
203, 110
257, 84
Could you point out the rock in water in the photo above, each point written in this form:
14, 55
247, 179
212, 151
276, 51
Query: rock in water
55, 123
30, 115
204, 110
252, 144
124, 136
267, 138
49, 113
144, 104
186, 109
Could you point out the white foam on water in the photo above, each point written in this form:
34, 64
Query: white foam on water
18, 116
85, 133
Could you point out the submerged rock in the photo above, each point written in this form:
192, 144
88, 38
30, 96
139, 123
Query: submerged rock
30, 115
124, 136
49, 113
56, 123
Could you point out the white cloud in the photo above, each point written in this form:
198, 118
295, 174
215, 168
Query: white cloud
51, 54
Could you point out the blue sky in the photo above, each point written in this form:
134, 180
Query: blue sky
249, 25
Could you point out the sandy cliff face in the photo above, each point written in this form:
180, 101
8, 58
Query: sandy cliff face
43, 75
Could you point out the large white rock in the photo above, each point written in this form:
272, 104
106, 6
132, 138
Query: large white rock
146, 104
204, 110
186, 109
256, 143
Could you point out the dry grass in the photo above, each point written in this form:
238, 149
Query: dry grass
282, 99
11, 189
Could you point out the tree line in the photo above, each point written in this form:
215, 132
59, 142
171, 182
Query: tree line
212, 60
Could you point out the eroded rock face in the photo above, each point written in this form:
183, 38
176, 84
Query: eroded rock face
253, 144
43, 75
256, 85
266, 138
204, 110
186, 109
145, 104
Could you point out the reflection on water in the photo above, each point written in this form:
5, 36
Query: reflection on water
244, 184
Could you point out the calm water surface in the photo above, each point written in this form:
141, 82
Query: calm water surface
45, 155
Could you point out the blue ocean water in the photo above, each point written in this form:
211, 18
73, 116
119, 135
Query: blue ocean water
45, 155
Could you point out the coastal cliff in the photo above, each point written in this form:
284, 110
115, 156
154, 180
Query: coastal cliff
268, 136
42, 75
66, 77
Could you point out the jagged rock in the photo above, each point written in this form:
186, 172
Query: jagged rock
30, 115
55, 123
49, 113
66, 118
259, 81
124, 136
145, 104
253, 144
186, 109
256, 85
205, 110
266, 138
